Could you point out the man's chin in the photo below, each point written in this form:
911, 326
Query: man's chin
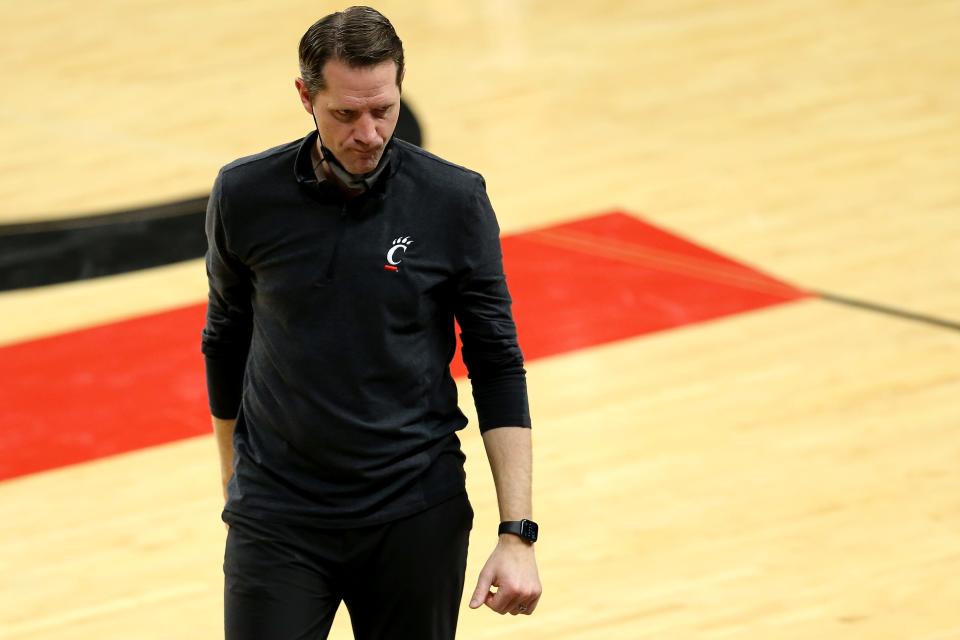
363, 165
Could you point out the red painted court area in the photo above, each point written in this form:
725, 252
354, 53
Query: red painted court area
137, 383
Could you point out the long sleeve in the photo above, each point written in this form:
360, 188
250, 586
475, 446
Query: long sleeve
488, 333
225, 340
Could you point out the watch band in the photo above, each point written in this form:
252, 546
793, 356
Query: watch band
526, 529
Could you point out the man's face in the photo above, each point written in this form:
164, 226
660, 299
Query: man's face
357, 112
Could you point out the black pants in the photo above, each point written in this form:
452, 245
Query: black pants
402, 579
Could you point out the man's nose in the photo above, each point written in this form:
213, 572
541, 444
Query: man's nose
366, 131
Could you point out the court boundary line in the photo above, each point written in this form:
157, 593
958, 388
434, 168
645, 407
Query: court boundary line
888, 310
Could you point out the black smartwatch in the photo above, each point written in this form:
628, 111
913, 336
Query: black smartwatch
526, 529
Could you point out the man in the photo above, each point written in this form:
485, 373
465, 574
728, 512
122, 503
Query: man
337, 264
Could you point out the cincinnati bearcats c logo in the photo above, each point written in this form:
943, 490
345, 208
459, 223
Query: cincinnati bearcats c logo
400, 245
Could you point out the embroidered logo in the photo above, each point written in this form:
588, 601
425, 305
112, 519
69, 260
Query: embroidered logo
401, 244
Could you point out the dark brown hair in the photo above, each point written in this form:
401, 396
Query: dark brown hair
358, 36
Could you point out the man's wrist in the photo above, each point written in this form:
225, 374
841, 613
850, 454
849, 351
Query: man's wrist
511, 540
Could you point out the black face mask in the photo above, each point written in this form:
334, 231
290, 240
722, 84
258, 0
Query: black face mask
351, 182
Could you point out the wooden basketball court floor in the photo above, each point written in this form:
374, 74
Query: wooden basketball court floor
790, 472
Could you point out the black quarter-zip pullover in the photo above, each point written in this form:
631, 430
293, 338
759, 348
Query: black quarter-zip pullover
330, 330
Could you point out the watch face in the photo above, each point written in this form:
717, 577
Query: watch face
530, 530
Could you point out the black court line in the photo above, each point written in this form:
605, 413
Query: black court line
54, 251
890, 311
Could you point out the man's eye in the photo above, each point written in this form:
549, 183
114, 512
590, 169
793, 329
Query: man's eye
343, 114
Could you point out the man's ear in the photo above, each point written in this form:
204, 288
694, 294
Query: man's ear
304, 94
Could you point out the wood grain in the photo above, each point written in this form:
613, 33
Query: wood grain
789, 473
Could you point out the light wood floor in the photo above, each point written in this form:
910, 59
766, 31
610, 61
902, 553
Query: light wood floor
789, 473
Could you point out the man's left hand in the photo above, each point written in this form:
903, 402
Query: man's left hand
512, 568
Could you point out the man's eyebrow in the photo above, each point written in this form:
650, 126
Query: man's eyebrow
383, 106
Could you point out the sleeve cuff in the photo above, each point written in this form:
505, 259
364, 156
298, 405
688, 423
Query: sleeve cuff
225, 385
502, 402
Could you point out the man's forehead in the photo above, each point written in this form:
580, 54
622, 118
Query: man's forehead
364, 82
349, 100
